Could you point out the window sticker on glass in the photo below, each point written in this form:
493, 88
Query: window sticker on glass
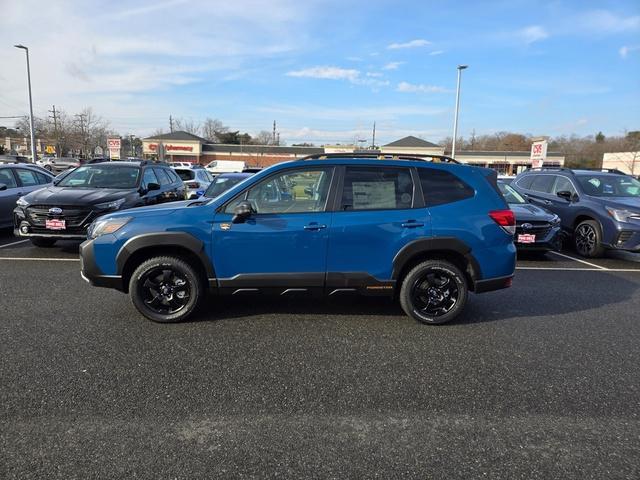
374, 195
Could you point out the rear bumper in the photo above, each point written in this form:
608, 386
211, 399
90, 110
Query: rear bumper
491, 284
92, 274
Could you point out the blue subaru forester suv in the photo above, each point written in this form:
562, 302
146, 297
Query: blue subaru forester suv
427, 232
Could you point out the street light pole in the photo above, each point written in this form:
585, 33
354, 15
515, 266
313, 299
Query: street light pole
31, 127
455, 118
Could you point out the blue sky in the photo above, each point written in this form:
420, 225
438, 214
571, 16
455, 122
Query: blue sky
326, 70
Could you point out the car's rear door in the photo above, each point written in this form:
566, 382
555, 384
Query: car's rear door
378, 211
283, 245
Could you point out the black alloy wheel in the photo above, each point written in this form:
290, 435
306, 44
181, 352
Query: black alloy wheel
587, 239
165, 289
434, 292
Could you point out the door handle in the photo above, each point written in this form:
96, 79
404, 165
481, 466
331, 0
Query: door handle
412, 224
314, 226
547, 202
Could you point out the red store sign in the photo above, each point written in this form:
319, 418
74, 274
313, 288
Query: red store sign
171, 148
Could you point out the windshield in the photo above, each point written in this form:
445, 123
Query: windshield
509, 194
221, 185
610, 185
185, 175
99, 176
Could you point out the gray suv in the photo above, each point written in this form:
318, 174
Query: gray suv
599, 209
16, 180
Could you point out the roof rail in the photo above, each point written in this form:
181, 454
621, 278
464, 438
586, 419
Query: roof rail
383, 156
540, 169
607, 170
565, 169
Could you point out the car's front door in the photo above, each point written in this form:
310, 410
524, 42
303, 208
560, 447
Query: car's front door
8, 196
566, 209
150, 197
283, 244
376, 216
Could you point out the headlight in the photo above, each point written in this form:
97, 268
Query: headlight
108, 225
115, 205
622, 215
22, 202
555, 220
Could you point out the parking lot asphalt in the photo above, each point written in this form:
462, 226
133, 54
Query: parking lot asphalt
538, 381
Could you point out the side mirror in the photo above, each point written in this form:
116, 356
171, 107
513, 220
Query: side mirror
153, 186
567, 195
242, 211
2, 187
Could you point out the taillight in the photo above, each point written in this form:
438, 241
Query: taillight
506, 219
193, 184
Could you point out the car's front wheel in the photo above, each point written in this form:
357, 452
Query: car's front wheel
588, 239
43, 242
165, 289
434, 292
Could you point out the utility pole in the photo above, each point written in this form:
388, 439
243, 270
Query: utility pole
373, 140
34, 155
274, 132
455, 118
170, 123
55, 129
82, 132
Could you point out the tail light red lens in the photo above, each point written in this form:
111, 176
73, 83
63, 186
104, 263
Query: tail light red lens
506, 219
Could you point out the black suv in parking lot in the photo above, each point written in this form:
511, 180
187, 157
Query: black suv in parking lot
599, 209
65, 209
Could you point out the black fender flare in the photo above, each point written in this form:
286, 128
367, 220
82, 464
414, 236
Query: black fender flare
164, 239
443, 244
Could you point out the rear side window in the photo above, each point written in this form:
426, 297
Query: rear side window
369, 188
440, 187
7, 178
543, 183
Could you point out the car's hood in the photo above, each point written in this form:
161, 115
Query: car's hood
525, 212
160, 209
631, 203
75, 196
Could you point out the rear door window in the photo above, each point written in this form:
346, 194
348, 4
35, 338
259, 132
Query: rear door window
6, 177
377, 188
440, 187
543, 183
27, 177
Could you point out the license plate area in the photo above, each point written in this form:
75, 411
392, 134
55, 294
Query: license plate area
526, 238
55, 224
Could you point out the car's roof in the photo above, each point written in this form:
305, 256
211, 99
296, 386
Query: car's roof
597, 172
236, 175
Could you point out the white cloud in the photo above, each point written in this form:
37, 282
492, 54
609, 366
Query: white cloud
626, 50
327, 72
532, 34
436, 52
392, 65
604, 21
406, 87
374, 74
420, 42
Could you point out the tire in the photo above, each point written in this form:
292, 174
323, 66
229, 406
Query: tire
156, 286
43, 242
587, 239
424, 296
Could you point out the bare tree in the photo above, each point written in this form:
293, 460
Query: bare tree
212, 129
263, 138
189, 126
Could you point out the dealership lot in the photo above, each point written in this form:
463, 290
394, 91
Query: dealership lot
541, 380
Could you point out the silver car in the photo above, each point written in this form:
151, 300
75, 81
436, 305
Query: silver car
196, 180
16, 180
57, 165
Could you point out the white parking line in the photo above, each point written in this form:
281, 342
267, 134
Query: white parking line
41, 259
14, 243
578, 260
575, 269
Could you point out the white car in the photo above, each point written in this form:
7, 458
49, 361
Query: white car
181, 164
225, 166
196, 180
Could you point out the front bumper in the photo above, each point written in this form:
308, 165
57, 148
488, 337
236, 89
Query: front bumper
90, 271
627, 239
23, 226
549, 241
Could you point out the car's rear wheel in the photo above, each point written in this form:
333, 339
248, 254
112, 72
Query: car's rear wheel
43, 242
165, 289
434, 292
588, 239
